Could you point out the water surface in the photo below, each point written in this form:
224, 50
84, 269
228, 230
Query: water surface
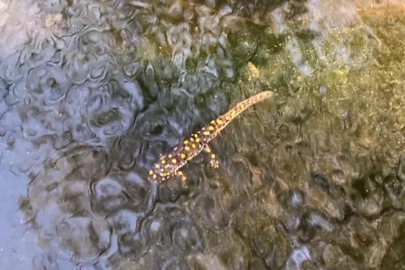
92, 92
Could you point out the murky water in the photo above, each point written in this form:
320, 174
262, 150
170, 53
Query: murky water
92, 92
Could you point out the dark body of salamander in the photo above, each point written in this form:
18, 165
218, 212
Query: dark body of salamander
169, 165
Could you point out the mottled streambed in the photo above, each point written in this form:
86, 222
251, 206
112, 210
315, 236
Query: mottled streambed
92, 92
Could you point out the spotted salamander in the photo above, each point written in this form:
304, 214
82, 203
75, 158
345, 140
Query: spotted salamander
169, 165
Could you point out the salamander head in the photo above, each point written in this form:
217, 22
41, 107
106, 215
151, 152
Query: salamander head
161, 170
167, 166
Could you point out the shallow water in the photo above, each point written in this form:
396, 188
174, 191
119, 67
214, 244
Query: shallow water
92, 92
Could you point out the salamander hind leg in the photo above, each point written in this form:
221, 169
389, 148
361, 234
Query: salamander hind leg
213, 162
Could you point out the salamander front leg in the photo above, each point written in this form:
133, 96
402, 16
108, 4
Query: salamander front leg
181, 175
213, 162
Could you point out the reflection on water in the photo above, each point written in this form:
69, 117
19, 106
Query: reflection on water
92, 92
18, 246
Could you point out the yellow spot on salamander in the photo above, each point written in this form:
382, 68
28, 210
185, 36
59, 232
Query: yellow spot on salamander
220, 122
227, 118
185, 141
212, 155
192, 139
170, 155
150, 172
154, 176
162, 170
242, 106
206, 133
163, 161
167, 166
157, 166
193, 145
208, 150
180, 173
187, 148
183, 156
197, 139
174, 160
212, 122
233, 113
211, 128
